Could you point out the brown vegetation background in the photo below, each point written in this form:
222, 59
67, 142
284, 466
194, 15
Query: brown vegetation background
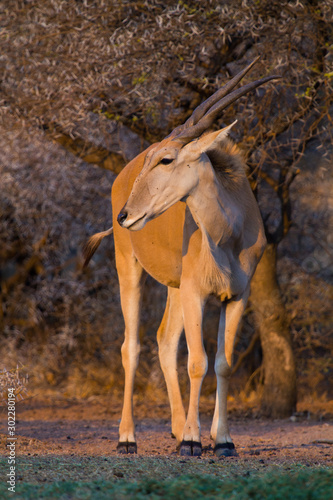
84, 87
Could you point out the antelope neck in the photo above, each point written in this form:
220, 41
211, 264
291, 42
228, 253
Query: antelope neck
208, 203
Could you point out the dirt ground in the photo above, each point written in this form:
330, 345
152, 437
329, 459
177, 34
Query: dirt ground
90, 428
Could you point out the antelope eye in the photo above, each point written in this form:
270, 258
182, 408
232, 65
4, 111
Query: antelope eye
166, 161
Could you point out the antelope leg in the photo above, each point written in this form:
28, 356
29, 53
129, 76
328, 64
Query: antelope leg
131, 276
231, 315
197, 367
168, 336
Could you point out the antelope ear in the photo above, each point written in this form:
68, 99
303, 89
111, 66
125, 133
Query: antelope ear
210, 141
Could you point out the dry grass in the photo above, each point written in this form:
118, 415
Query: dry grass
13, 379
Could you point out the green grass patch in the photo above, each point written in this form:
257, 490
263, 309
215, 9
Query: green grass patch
154, 478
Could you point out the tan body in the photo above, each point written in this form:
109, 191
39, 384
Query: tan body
172, 249
166, 246
184, 212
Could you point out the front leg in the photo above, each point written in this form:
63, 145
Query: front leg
230, 318
193, 306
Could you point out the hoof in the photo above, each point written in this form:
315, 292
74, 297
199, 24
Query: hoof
126, 448
190, 449
225, 450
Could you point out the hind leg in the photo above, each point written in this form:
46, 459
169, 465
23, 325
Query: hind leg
168, 339
131, 278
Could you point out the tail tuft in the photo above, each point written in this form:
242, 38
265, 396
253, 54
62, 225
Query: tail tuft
92, 244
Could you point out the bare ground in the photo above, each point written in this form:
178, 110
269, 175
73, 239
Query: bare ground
61, 427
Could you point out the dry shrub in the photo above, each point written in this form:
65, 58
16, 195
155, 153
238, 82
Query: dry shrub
15, 379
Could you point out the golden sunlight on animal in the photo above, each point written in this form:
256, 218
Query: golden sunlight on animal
184, 213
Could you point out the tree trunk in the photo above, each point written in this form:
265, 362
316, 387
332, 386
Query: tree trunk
279, 397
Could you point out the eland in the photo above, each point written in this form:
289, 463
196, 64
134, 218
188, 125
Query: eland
184, 212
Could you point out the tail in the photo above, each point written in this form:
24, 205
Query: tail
92, 244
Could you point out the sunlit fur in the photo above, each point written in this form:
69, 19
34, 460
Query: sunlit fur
211, 244
92, 244
228, 164
214, 276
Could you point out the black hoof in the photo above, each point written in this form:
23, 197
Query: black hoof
225, 450
190, 449
125, 448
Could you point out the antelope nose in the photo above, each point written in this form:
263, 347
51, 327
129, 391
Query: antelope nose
122, 217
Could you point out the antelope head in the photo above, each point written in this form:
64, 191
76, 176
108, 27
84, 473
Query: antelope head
172, 168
